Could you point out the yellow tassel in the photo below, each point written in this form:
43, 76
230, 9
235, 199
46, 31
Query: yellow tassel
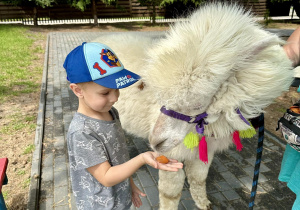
191, 140
249, 133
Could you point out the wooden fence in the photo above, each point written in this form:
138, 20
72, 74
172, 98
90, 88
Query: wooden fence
124, 9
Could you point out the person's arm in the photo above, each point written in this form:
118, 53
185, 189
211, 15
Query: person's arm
292, 47
136, 193
110, 176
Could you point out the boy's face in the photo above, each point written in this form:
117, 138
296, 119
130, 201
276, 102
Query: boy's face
97, 98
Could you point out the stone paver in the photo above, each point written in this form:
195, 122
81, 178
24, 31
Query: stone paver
229, 179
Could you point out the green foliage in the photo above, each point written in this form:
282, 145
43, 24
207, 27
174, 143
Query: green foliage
42, 3
196, 2
279, 1
151, 4
82, 4
267, 18
166, 2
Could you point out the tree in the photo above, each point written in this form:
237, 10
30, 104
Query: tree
29, 3
79, 4
82, 4
42, 3
160, 3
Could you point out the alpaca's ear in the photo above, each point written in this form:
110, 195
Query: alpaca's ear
260, 45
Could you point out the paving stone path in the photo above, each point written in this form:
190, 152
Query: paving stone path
229, 180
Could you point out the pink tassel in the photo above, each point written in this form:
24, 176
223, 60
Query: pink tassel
203, 150
237, 141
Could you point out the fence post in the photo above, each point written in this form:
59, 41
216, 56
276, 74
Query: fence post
94, 12
35, 23
130, 7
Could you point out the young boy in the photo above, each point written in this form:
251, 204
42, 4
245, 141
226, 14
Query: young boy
100, 167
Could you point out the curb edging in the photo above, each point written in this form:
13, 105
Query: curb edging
34, 188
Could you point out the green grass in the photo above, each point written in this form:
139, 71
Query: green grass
282, 110
19, 75
16, 56
5, 194
29, 149
19, 122
26, 183
21, 172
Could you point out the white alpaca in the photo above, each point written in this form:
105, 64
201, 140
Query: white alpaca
217, 61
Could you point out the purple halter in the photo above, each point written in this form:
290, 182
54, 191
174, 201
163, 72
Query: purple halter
241, 116
199, 119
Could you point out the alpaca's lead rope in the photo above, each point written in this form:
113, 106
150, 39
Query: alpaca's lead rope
258, 159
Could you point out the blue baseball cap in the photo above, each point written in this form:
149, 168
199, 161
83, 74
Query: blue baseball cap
98, 63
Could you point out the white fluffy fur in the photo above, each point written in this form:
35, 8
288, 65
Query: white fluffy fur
217, 61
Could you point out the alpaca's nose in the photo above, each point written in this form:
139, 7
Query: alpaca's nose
162, 138
162, 144
158, 145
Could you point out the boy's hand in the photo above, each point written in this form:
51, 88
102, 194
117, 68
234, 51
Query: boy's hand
172, 165
136, 193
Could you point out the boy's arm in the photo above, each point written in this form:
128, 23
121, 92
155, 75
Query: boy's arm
292, 47
136, 193
110, 176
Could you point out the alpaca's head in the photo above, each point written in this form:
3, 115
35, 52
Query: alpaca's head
217, 61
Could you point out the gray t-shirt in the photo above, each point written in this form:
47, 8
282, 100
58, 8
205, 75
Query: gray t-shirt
91, 142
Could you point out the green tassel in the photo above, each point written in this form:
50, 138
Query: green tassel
191, 140
249, 133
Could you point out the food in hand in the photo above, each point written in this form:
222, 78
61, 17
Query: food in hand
162, 159
295, 109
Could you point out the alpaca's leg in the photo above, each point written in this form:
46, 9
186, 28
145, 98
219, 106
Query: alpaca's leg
170, 185
196, 172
